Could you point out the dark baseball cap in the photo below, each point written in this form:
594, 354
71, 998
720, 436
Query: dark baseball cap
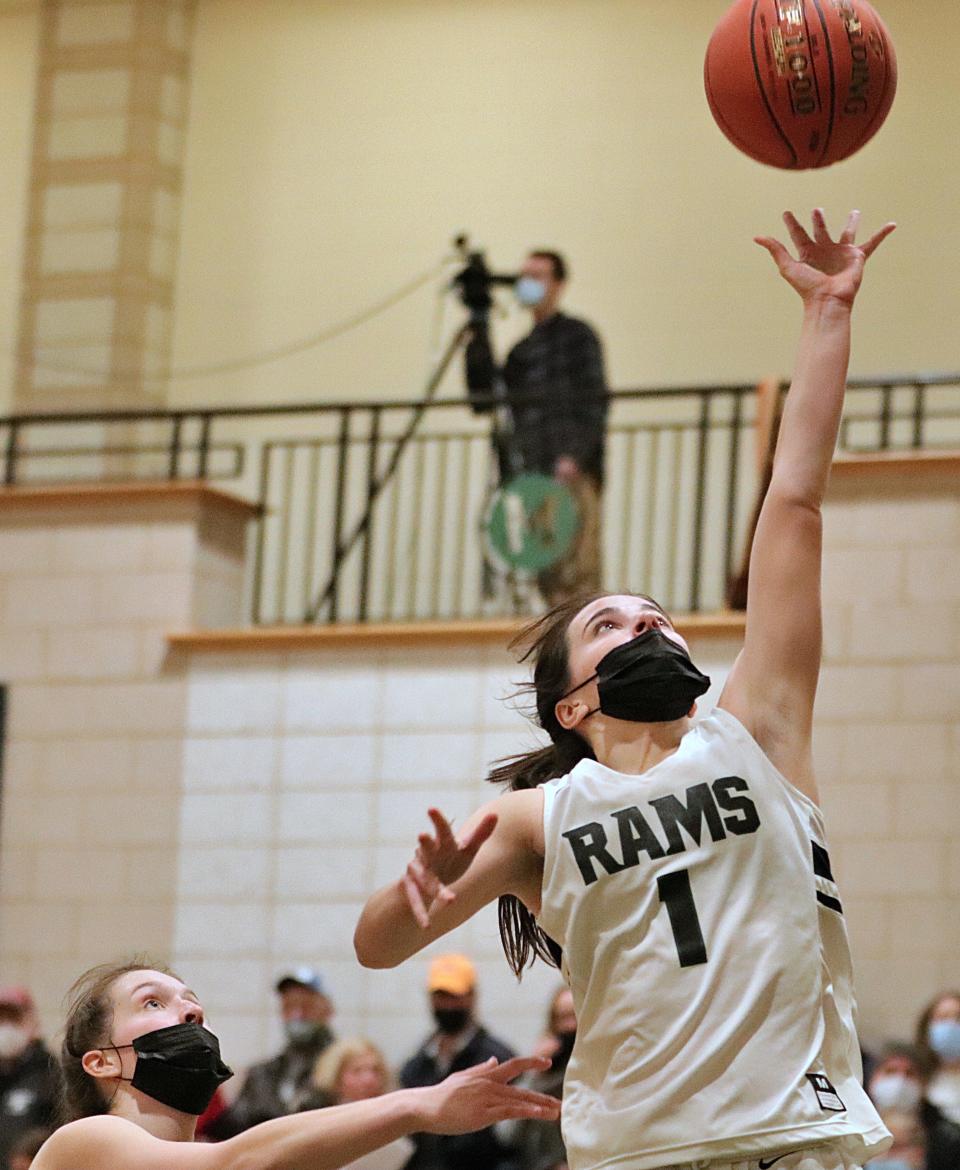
303, 977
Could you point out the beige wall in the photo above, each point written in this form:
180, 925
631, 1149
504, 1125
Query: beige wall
19, 31
233, 810
334, 148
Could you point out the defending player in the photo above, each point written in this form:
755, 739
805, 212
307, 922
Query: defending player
139, 1067
681, 868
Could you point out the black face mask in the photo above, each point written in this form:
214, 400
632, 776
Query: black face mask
450, 1021
647, 680
179, 1066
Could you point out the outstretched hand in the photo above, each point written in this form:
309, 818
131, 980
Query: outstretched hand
439, 861
481, 1096
825, 268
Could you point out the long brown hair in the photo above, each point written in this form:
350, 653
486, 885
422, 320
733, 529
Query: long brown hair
544, 641
929, 1060
89, 1019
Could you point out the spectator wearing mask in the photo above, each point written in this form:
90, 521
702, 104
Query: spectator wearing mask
938, 1038
908, 1151
896, 1087
281, 1085
556, 390
29, 1080
356, 1070
458, 1042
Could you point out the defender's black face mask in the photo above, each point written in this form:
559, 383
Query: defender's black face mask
179, 1066
647, 680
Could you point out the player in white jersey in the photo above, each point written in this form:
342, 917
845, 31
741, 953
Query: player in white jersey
678, 871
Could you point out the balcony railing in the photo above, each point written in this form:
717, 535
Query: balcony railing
374, 511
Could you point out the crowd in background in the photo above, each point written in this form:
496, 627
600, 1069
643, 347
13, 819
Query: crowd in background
914, 1085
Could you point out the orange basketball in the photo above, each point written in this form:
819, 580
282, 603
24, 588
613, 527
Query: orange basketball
800, 83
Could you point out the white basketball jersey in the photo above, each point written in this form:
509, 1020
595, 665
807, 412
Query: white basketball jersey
704, 943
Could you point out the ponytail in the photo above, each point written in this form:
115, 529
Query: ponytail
544, 640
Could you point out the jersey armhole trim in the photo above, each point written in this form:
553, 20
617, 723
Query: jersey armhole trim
738, 728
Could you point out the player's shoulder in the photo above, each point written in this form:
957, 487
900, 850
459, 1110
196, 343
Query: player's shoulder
89, 1141
520, 820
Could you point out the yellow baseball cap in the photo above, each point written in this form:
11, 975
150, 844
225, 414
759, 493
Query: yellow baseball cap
454, 974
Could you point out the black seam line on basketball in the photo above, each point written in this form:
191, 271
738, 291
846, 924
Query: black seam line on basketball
816, 78
868, 133
756, 74
830, 903
833, 80
734, 137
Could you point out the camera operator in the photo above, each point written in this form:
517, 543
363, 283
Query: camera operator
557, 396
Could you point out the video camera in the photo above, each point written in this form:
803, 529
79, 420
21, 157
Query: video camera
475, 281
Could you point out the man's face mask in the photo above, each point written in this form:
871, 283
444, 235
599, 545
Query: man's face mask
450, 1021
304, 1033
529, 291
647, 680
13, 1041
179, 1066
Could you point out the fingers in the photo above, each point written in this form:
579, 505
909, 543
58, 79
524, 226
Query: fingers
513, 1102
797, 232
422, 890
781, 257
849, 233
877, 239
516, 1065
445, 837
480, 833
820, 233
415, 901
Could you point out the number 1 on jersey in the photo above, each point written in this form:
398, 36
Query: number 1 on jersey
676, 894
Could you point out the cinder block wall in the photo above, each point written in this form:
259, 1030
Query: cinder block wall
232, 810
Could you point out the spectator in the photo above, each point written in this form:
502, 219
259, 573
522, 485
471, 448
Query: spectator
25, 1148
139, 1067
281, 1085
557, 396
458, 1042
29, 1079
355, 1070
908, 1149
938, 1038
896, 1087
539, 1143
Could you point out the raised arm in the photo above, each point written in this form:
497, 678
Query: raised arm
500, 851
772, 686
321, 1139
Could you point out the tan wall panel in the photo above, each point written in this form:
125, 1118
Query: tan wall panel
19, 30
335, 148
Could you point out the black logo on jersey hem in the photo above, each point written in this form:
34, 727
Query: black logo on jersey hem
827, 1095
766, 1163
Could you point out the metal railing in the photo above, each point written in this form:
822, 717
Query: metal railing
373, 511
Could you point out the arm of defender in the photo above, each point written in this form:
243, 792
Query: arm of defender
321, 1139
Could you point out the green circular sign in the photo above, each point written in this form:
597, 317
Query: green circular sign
531, 523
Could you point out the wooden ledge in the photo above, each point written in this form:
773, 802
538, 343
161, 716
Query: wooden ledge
498, 631
884, 462
82, 495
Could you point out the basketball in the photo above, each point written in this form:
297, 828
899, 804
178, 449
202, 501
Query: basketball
800, 83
